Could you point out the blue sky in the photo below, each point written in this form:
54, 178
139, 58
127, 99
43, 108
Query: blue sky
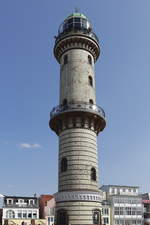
29, 89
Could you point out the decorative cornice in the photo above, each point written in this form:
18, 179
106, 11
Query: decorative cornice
78, 196
76, 42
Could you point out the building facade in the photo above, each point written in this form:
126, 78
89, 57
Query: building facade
146, 208
47, 208
126, 204
77, 121
20, 209
106, 213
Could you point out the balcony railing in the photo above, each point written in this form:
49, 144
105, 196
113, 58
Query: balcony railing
78, 106
77, 32
20, 206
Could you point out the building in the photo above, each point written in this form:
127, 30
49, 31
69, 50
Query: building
43, 201
1, 210
106, 212
146, 206
77, 121
126, 204
20, 210
47, 208
1, 215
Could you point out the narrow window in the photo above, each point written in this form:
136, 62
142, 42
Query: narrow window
93, 174
64, 165
65, 59
91, 101
10, 201
106, 220
89, 59
29, 214
65, 104
90, 81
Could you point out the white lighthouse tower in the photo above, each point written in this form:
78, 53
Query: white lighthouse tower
77, 121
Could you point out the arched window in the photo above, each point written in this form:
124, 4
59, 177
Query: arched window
91, 101
93, 174
90, 81
89, 59
65, 59
62, 217
10, 214
96, 216
64, 164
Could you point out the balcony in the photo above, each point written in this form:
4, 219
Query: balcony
73, 32
81, 114
78, 106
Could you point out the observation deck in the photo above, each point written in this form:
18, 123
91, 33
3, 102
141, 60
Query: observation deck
76, 109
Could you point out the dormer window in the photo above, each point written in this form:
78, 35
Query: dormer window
9, 201
21, 201
31, 202
113, 190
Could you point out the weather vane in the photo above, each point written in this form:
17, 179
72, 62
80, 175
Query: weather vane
77, 9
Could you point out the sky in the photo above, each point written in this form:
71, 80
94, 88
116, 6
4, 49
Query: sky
29, 89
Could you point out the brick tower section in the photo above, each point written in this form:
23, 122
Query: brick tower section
77, 121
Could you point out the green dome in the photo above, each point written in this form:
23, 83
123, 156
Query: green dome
77, 14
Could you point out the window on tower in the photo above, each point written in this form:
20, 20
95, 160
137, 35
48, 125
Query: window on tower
65, 59
91, 102
64, 164
65, 101
62, 217
65, 104
96, 216
90, 81
93, 174
89, 59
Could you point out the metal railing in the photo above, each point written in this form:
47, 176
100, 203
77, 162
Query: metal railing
76, 31
77, 106
20, 206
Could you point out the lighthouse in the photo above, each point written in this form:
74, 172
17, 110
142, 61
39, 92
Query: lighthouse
77, 120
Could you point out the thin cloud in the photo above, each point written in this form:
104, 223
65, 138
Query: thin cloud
11, 186
1, 196
30, 146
